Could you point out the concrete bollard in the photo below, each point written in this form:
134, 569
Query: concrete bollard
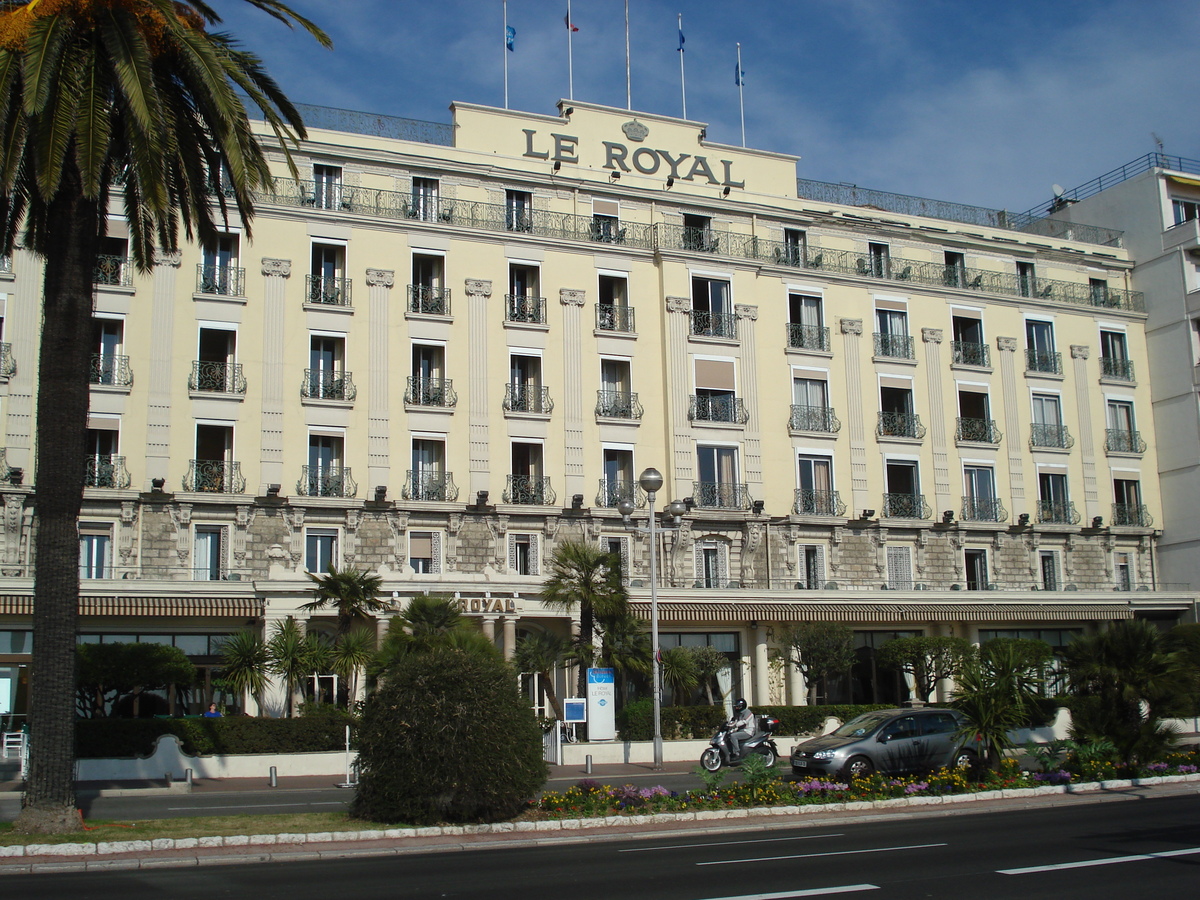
274, 777
587, 764
187, 776
170, 778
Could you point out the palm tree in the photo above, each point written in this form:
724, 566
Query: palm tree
428, 622
626, 650
680, 672
354, 593
137, 95
295, 655
244, 664
710, 662
997, 691
540, 653
352, 652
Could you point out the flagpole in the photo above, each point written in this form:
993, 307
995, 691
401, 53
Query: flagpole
570, 58
741, 95
682, 78
628, 81
504, 50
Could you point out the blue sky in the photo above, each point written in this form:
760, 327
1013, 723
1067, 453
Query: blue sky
987, 102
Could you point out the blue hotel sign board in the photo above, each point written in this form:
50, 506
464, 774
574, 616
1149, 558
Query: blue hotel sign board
602, 705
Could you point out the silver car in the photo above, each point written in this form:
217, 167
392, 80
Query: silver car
892, 741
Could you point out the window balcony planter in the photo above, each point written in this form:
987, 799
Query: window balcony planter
1116, 369
216, 377
327, 290
326, 481
324, 384
613, 491
1054, 512
901, 425
808, 337
968, 353
814, 418
427, 300
1050, 437
618, 405
104, 470
113, 371
528, 398
1122, 440
529, 490
614, 318
730, 410
436, 392
716, 325
818, 503
983, 509
1135, 514
894, 346
222, 281
977, 431
906, 506
429, 486
524, 310
1043, 363
214, 476
113, 271
720, 495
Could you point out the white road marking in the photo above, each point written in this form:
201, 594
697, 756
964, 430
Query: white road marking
725, 862
809, 892
806, 837
1108, 861
263, 805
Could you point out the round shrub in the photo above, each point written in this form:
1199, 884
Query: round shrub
447, 738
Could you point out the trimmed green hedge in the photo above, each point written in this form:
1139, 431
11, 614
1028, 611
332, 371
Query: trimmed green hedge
103, 738
636, 720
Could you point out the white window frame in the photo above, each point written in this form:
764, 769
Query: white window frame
533, 541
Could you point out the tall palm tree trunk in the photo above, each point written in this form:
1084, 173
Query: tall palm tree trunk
62, 405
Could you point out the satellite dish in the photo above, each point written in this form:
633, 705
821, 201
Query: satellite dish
1058, 190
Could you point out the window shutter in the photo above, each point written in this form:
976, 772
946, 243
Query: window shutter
819, 568
535, 556
899, 568
512, 553
722, 564
698, 556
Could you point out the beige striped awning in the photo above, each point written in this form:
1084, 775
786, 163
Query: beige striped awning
173, 607
685, 612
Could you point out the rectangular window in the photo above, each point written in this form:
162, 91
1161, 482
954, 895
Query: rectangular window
892, 339
524, 304
903, 498
976, 569
523, 554
1114, 356
424, 552
979, 501
1040, 355
1026, 279
896, 416
518, 211
215, 469
718, 485
320, 549
606, 222
327, 283
955, 273
1048, 564
218, 271
806, 323
1184, 210
899, 568
108, 362
814, 494
427, 478
698, 234
95, 551
216, 367
1123, 570
1098, 290
712, 308
711, 565
1127, 503
326, 475
427, 294
880, 261
327, 187
424, 199
795, 247
811, 568
1054, 504
970, 347
619, 548
208, 554
326, 372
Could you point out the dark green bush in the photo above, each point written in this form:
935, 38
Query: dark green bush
447, 738
636, 720
98, 738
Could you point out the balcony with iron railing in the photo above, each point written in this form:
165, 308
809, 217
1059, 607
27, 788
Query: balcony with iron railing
111, 370
528, 398
438, 392
216, 377
6, 265
617, 490
969, 353
1123, 440
328, 384
1045, 362
710, 324
327, 290
1115, 368
906, 506
214, 476
901, 425
429, 486
8, 366
690, 239
1134, 514
894, 346
427, 300
977, 431
720, 408
614, 318
720, 495
524, 309
528, 490
618, 405
225, 281
820, 419
113, 271
983, 509
808, 337
818, 503
1050, 437
1058, 512
326, 481
104, 470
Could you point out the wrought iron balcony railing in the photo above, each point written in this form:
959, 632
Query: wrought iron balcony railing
326, 481
529, 490
969, 353
686, 237
1117, 369
906, 506
818, 503
216, 476
1038, 361
808, 337
814, 418
894, 346
112, 370
1055, 512
525, 309
8, 366
983, 431
428, 300
721, 408
5, 265
720, 495
430, 392
328, 290
217, 377
104, 470
113, 271
618, 404
433, 487
528, 398
614, 491
614, 318
226, 281
326, 384
894, 424
1122, 440
1131, 514
983, 509
1053, 436
710, 324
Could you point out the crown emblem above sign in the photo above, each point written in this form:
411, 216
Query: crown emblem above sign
635, 130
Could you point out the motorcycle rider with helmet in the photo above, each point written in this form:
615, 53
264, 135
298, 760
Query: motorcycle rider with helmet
743, 726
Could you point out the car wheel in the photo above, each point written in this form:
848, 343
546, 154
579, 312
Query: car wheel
768, 754
965, 759
857, 767
710, 759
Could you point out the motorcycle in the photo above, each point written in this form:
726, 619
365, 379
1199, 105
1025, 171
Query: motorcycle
762, 744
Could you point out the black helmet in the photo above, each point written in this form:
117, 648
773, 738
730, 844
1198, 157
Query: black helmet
740, 705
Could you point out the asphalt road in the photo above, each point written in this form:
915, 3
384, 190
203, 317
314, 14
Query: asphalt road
1092, 850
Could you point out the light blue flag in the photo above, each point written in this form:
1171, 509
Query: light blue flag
510, 37
738, 74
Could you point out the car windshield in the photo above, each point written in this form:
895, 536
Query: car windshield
862, 725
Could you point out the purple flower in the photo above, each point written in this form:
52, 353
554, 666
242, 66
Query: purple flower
917, 788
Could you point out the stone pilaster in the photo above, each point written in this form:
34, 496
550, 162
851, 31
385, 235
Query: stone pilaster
160, 375
478, 292
852, 330
678, 381
1087, 435
379, 284
275, 276
572, 307
1014, 429
753, 468
943, 497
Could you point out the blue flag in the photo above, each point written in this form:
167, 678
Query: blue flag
510, 37
680, 40
738, 74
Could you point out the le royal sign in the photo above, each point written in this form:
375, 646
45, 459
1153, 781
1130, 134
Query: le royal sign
621, 157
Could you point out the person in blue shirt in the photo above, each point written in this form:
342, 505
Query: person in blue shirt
213, 712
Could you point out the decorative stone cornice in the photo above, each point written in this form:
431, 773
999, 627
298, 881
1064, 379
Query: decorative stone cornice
479, 287
851, 326
931, 335
742, 311
280, 267
1080, 351
381, 277
168, 258
1006, 343
571, 297
679, 304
